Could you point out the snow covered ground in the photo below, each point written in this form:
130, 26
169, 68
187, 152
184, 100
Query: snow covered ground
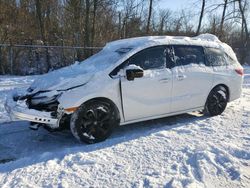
188, 150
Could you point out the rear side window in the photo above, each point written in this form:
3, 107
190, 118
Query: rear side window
185, 55
215, 57
230, 60
151, 58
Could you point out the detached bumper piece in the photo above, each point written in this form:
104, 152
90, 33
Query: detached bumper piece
18, 110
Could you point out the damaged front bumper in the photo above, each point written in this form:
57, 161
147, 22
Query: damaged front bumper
18, 110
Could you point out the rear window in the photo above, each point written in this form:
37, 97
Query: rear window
215, 57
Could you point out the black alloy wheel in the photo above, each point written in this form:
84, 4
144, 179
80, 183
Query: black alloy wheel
216, 101
94, 121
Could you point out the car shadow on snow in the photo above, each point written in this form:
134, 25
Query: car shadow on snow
21, 147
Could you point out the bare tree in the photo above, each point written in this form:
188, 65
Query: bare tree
187, 24
42, 31
201, 16
93, 22
223, 18
86, 27
164, 16
40, 19
149, 15
243, 17
131, 15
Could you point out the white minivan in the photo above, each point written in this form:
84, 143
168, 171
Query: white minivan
132, 80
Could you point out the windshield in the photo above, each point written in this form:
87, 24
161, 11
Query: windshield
80, 72
101, 60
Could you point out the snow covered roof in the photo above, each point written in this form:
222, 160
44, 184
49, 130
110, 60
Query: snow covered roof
206, 40
203, 40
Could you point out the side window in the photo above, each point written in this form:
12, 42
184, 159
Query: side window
215, 57
151, 58
185, 55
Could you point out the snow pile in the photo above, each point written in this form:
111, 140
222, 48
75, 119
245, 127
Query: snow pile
7, 85
207, 37
9, 82
188, 150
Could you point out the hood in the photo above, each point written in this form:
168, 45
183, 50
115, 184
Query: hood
77, 74
62, 79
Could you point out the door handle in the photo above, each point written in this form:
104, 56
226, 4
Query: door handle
181, 77
164, 80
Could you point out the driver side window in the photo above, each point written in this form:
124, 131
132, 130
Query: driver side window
151, 58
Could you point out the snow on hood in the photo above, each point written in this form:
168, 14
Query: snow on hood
77, 74
62, 79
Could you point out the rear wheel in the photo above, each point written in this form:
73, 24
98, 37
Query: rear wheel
216, 101
94, 121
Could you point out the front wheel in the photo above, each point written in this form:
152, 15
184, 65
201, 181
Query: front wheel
216, 101
94, 121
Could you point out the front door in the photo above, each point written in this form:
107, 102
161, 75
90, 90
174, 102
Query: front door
149, 95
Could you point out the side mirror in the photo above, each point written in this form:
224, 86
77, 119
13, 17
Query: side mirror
133, 71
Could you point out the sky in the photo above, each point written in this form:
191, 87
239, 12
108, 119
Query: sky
194, 5
178, 5
190, 5
182, 4
173, 4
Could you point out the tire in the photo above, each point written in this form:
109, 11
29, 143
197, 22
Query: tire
94, 121
217, 101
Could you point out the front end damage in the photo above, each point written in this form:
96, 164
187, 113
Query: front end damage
40, 107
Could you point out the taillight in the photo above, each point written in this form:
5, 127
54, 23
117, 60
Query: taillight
240, 71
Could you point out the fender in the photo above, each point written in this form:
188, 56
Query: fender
110, 90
